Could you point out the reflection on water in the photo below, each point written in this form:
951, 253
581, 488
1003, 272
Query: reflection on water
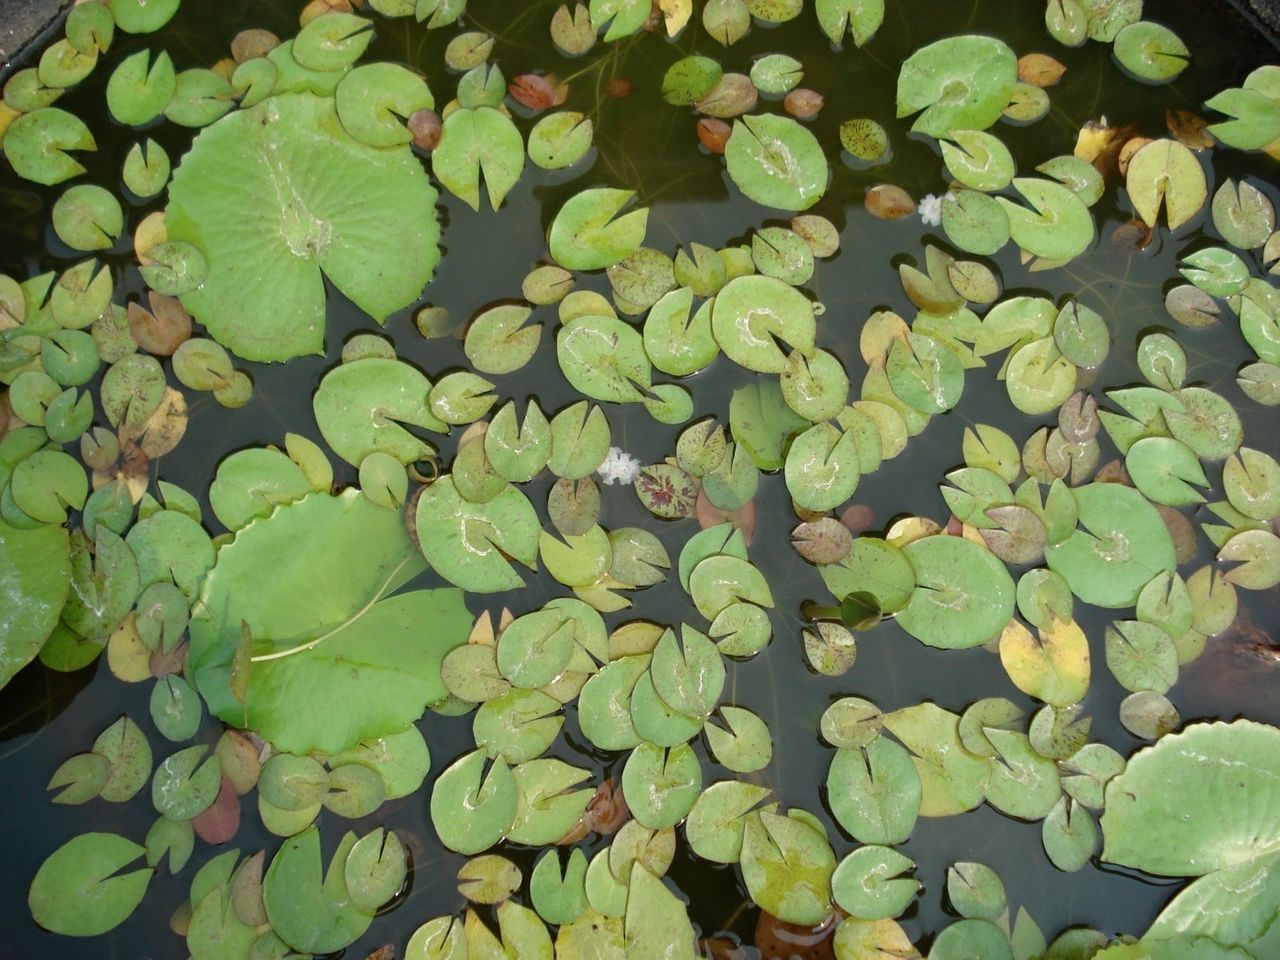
648, 146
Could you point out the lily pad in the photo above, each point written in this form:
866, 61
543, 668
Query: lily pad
963, 597
79, 891
474, 143
35, 573
1123, 545
776, 162
309, 908
1165, 171
364, 218
585, 234
960, 83
305, 652
468, 543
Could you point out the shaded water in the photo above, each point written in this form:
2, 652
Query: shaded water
648, 146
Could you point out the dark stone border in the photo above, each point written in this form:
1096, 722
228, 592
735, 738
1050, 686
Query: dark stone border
22, 21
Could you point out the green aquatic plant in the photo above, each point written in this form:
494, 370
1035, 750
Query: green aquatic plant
296, 616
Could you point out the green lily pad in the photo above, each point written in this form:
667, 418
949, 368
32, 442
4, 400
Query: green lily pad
264, 296
604, 358
351, 617
468, 543
372, 99
874, 791
1166, 471
787, 866
753, 315
547, 807
952, 780
1150, 51
663, 784
776, 162
1243, 214
1061, 226
579, 441
186, 783
36, 145
474, 143
1123, 545
971, 938
860, 18
961, 83
310, 910
689, 79
822, 469
585, 234
869, 884
78, 891
559, 897
979, 160
141, 87
963, 597
36, 575
560, 139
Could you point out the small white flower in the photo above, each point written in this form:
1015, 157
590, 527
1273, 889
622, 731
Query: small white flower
619, 466
931, 209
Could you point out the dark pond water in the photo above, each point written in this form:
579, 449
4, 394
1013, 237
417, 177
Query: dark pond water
646, 145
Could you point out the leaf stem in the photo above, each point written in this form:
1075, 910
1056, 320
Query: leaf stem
312, 644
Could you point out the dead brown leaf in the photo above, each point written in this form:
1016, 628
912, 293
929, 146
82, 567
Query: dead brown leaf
1190, 129
1099, 143
889, 202
1039, 69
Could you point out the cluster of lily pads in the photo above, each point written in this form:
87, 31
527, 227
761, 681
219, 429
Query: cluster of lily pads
311, 169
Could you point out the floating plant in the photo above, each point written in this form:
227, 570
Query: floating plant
498, 588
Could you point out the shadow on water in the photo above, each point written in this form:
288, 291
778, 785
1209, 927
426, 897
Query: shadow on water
651, 147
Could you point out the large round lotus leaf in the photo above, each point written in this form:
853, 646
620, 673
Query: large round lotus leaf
1123, 545
79, 891
280, 196
961, 83
35, 575
341, 660
964, 595
776, 162
1202, 803
1199, 801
